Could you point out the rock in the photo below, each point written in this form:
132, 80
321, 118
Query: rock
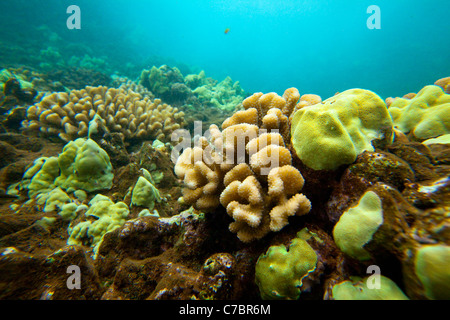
8, 153
12, 173
369, 168
428, 194
418, 156
45, 277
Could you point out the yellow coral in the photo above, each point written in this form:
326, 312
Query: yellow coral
284, 181
284, 185
269, 101
202, 181
244, 200
249, 116
334, 132
264, 140
272, 110
252, 101
68, 114
276, 120
246, 194
268, 158
257, 212
425, 116
291, 96
235, 139
305, 101
238, 173
256, 182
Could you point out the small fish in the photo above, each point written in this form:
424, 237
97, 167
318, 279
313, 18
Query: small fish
227, 30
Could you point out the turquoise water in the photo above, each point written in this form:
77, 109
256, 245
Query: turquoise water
316, 46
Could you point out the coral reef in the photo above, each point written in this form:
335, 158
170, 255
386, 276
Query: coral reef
72, 78
69, 116
165, 83
200, 97
389, 226
68, 186
53, 60
130, 85
23, 86
368, 169
194, 81
224, 95
168, 266
50, 283
240, 214
89, 63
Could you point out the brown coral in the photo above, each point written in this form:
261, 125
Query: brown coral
444, 83
68, 114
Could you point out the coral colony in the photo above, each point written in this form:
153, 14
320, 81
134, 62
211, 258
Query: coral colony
286, 197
